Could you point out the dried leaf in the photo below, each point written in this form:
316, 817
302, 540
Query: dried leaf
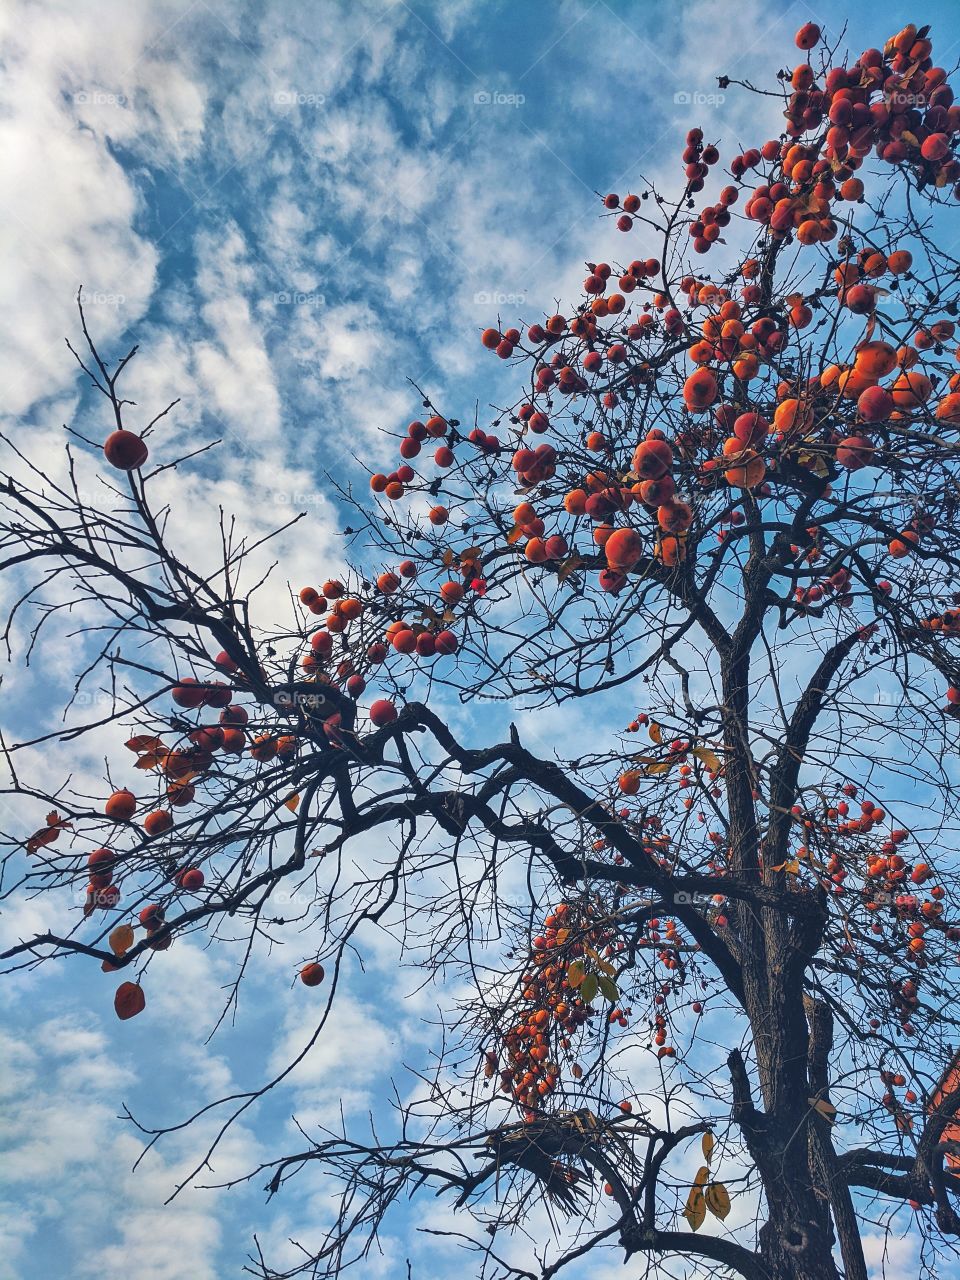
121, 940
717, 1198
144, 743
707, 757
152, 760
703, 1176
570, 565
660, 766
707, 1144
129, 1000
656, 733
448, 558
575, 974
515, 534
696, 1209
291, 802
824, 1108
45, 836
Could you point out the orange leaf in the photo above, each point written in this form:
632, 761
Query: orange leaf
515, 534
144, 743
46, 835
656, 733
129, 1000
291, 802
121, 940
150, 761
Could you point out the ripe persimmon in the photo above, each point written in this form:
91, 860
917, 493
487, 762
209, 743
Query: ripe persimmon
125, 450
382, 712
121, 806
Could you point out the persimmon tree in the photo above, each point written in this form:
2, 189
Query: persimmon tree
725, 509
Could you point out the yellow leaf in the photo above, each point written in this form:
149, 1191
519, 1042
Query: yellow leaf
656, 733
907, 136
824, 1108
718, 1200
707, 1143
696, 1209
660, 766
121, 940
291, 802
562, 936
708, 757
606, 967
703, 1175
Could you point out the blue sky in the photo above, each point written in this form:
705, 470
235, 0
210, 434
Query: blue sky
294, 209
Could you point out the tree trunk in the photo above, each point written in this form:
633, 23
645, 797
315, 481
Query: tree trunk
796, 1242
